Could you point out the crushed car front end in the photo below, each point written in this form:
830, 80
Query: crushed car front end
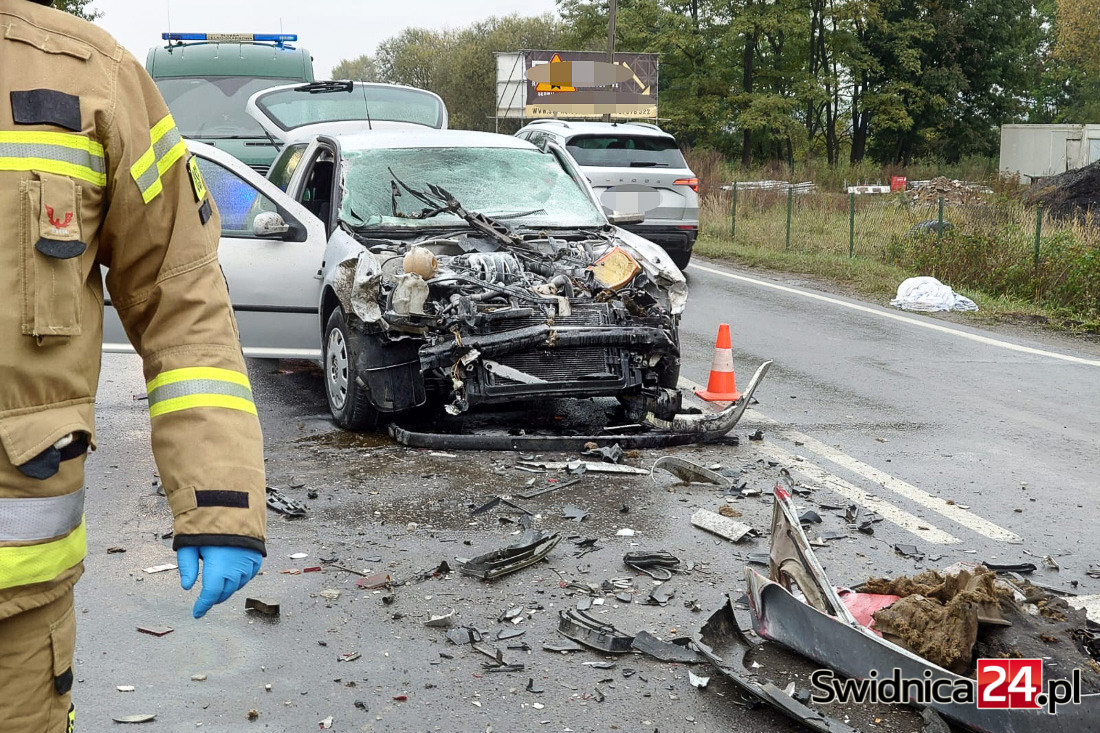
467, 321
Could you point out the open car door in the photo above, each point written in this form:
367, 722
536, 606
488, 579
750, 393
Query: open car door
300, 111
271, 251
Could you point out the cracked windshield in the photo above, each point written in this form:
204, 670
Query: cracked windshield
519, 186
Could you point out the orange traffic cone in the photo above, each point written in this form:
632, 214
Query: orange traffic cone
722, 385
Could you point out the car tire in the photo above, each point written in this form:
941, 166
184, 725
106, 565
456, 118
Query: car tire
348, 401
680, 259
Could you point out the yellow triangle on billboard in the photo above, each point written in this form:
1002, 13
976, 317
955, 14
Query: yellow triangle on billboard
546, 86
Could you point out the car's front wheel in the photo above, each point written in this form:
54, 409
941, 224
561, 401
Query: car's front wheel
348, 401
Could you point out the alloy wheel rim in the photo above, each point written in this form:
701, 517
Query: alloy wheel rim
336, 368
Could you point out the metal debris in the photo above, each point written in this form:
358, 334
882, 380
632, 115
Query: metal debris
495, 502
661, 595
723, 635
911, 551
688, 472
283, 504
562, 646
609, 454
135, 718
441, 622
547, 489
156, 630
587, 467
370, 582
530, 548
464, 635
724, 527
697, 681
570, 511
262, 606
591, 632
647, 643
658, 565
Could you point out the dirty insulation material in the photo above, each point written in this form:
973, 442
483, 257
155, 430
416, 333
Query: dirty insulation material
953, 618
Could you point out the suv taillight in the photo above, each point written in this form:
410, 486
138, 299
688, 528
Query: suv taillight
691, 182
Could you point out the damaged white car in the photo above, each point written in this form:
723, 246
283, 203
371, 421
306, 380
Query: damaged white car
469, 268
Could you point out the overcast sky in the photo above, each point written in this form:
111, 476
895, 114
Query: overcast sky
332, 30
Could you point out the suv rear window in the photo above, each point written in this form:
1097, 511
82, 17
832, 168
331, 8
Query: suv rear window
622, 151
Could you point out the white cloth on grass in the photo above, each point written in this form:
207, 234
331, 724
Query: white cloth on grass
928, 294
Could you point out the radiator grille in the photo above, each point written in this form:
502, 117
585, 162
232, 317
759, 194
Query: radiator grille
563, 365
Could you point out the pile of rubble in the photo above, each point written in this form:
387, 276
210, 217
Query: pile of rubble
954, 193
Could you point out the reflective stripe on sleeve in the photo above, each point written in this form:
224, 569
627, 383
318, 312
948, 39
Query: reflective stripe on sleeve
166, 147
38, 519
43, 562
60, 153
184, 389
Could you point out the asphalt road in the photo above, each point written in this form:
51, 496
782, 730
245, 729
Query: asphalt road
861, 406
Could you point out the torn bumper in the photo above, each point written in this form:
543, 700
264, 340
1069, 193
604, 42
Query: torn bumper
681, 430
842, 644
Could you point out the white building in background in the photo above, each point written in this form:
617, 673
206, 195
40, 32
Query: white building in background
1034, 151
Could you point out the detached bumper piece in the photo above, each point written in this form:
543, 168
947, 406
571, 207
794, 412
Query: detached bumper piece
593, 633
530, 548
822, 629
723, 642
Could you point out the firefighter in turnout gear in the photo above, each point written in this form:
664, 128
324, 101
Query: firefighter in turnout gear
94, 175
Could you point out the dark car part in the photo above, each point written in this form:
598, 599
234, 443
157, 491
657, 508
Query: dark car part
527, 550
593, 633
724, 642
683, 429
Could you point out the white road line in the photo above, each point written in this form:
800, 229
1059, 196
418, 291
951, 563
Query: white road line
887, 510
918, 496
921, 322
909, 522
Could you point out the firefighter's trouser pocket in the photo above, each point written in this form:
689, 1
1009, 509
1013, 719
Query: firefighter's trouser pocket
36, 668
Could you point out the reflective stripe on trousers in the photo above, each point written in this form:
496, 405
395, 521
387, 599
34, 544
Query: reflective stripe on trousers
51, 534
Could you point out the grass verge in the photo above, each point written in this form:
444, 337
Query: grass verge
878, 281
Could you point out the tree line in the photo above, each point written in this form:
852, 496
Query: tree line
841, 80
892, 81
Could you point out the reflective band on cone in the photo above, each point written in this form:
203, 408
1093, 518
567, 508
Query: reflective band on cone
722, 385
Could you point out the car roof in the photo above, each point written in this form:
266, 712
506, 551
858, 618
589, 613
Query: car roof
570, 128
426, 138
259, 60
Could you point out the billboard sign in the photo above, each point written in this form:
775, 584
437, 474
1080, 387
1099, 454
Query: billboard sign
579, 84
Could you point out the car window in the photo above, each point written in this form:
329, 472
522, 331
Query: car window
213, 107
290, 108
238, 202
624, 151
282, 170
520, 186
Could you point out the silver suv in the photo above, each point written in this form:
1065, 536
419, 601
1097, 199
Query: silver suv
634, 167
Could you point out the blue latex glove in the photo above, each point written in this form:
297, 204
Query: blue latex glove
225, 570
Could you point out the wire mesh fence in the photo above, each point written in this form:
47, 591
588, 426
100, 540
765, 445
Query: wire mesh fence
994, 244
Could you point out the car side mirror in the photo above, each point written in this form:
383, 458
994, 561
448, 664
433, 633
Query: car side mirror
619, 218
269, 224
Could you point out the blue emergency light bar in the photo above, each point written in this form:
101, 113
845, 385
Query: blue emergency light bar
276, 38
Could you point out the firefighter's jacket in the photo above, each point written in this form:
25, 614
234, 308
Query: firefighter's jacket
94, 175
